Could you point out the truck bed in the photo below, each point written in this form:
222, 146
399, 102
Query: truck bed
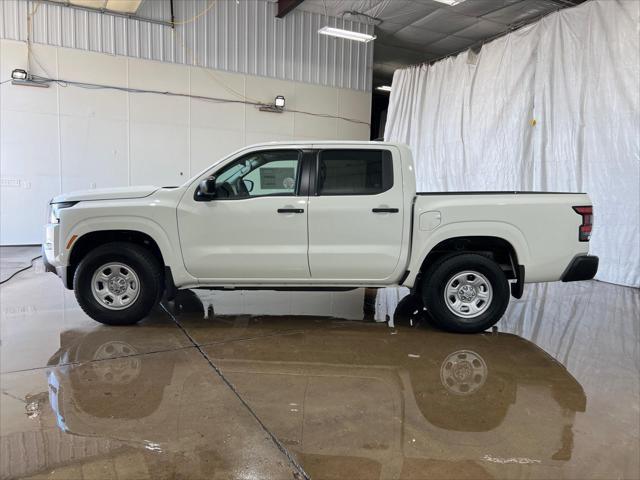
542, 227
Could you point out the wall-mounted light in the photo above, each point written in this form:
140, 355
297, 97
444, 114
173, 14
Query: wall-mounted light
19, 74
22, 77
276, 107
346, 34
384, 88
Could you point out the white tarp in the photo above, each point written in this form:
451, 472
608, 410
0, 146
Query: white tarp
553, 106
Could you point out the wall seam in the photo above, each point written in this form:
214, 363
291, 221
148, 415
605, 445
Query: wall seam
128, 126
59, 124
189, 100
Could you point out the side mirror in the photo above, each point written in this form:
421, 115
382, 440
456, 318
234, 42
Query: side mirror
249, 185
206, 190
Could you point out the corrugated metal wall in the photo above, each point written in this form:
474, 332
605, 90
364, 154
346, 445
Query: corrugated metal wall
239, 36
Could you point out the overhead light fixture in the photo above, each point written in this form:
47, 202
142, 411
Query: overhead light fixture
384, 88
450, 2
346, 34
276, 107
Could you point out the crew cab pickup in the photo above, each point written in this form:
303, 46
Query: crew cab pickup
317, 215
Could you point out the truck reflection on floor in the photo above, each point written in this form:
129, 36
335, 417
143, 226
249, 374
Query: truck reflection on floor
347, 398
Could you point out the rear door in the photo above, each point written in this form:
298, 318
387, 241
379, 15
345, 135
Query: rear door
355, 214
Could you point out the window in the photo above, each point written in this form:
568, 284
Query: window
354, 172
259, 174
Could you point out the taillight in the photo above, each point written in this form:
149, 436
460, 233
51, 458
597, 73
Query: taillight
584, 230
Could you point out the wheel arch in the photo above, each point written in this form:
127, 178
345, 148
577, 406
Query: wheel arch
93, 239
500, 249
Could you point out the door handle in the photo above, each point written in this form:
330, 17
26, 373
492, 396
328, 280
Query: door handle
385, 210
291, 210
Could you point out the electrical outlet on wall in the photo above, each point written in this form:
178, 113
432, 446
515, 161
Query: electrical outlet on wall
92, 185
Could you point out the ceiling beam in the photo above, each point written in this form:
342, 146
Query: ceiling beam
285, 6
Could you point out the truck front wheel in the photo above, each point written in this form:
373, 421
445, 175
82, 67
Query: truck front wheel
118, 283
465, 293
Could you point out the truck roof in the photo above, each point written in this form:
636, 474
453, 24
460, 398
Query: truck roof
323, 142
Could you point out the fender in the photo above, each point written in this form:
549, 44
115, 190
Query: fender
426, 241
170, 253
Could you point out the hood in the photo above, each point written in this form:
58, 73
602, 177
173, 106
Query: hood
106, 194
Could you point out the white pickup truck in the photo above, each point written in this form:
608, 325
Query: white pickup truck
315, 216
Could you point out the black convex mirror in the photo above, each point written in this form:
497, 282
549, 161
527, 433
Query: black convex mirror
207, 189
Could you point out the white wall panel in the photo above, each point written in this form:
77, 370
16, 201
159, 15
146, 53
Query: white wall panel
93, 153
29, 165
349, 130
354, 105
228, 116
93, 68
159, 154
29, 155
322, 100
66, 138
238, 36
210, 145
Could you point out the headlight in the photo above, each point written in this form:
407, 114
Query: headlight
54, 210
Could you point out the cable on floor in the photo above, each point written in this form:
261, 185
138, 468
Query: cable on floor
21, 270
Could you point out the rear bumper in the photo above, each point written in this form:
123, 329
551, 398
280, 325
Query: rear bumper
582, 267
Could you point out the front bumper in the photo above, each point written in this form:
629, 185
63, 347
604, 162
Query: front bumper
62, 272
582, 267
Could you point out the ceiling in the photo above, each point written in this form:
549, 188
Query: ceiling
416, 31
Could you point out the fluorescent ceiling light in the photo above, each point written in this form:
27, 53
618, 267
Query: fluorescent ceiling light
450, 2
384, 88
348, 34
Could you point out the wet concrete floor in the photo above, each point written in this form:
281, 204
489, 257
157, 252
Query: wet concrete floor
259, 385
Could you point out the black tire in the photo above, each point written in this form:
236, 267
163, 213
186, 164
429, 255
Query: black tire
144, 264
409, 311
443, 270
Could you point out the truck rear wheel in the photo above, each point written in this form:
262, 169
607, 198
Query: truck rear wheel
465, 293
118, 283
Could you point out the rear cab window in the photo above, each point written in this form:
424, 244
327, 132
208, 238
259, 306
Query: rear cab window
354, 172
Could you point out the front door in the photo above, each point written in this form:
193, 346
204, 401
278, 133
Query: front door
356, 215
255, 227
